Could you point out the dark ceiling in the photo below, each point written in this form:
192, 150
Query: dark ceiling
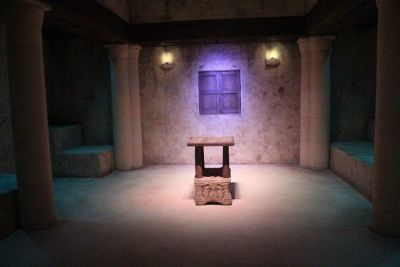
90, 19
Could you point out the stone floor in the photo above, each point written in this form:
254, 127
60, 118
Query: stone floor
281, 216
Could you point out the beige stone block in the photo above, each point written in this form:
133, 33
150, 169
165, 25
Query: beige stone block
212, 189
353, 161
84, 161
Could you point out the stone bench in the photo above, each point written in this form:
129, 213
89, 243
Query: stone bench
353, 161
84, 161
8, 204
71, 158
64, 137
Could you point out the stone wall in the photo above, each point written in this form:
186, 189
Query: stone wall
353, 84
310, 4
79, 87
118, 7
166, 10
7, 163
266, 131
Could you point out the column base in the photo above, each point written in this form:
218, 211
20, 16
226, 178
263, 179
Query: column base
392, 231
385, 232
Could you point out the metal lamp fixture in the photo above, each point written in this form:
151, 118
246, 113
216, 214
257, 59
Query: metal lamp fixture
272, 59
272, 62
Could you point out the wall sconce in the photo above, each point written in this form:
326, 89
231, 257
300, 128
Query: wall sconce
167, 61
272, 62
272, 59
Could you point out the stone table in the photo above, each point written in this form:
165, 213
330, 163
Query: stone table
212, 184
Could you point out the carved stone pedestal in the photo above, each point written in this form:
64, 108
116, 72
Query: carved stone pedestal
212, 189
212, 184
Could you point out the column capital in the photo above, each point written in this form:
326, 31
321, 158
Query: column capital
304, 44
322, 42
379, 3
387, 3
25, 3
117, 50
27, 14
134, 50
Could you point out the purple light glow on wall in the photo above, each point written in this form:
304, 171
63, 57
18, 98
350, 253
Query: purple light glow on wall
265, 131
220, 58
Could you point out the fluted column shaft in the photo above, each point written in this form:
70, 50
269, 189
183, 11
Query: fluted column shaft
386, 181
24, 19
136, 132
121, 107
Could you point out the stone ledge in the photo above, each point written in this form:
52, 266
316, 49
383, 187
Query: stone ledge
84, 161
8, 213
353, 161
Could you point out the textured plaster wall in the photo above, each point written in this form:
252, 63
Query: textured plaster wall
118, 7
7, 163
353, 84
266, 131
79, 87
181, 10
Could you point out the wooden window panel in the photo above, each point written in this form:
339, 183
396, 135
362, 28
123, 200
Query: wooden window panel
230, 81
208, 82
209, 104
230, 103
219, 92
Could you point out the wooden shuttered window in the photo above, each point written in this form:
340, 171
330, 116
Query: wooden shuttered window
219, 92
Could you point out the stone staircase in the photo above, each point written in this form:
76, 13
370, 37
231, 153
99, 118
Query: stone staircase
71, 158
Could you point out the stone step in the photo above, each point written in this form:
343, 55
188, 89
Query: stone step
8, 204
84, 161
65, 137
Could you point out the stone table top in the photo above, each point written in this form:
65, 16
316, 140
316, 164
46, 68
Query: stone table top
211, 141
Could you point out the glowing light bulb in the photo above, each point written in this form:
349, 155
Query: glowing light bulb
272, 54
167, 57
272, 59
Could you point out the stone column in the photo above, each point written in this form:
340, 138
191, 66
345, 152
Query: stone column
304, 47
386, 181
319, 105
24, 19
134, 88
121, 107
315, 101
